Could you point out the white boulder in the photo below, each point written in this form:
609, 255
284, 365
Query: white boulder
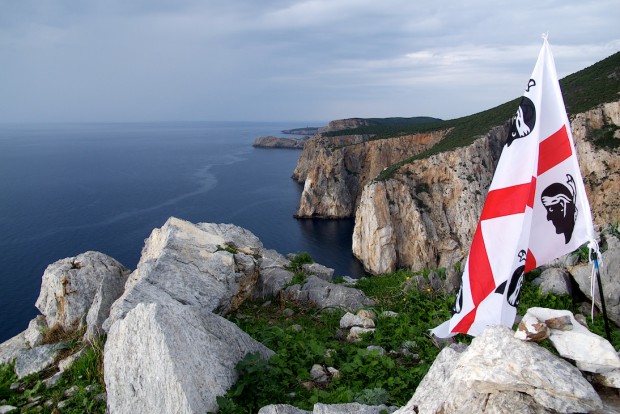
498, 373
69, 286
207, 265
172, 358
590, 352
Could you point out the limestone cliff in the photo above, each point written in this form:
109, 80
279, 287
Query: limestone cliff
278, 142
335, 169
425, 215
348, 123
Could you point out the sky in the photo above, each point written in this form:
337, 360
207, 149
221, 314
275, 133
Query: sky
284, 60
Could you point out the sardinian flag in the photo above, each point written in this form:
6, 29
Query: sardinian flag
536, 209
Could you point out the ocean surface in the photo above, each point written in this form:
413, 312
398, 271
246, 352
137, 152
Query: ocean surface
69, 188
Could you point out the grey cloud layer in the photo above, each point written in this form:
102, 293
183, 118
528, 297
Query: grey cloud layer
282, 60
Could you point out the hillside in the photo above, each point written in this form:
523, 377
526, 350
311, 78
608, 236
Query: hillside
583, 90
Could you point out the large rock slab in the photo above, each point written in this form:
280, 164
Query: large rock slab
496, 361
273, 275
590, 352
282, 409
69, 286
111, 288
609, 278
351, 408
36, 359
501, 374
11, 348
172, 359
554, 280
322, 294
208, 265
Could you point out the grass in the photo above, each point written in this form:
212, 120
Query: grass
301, 338
311, 337
79, 389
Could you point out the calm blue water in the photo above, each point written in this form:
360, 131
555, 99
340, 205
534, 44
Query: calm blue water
69, 188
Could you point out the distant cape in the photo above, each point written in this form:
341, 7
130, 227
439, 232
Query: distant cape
276, 142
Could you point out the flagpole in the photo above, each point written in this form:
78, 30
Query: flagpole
600, 292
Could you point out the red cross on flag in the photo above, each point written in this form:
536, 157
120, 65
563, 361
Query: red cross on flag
536, 209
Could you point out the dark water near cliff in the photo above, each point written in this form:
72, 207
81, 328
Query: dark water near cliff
69, 188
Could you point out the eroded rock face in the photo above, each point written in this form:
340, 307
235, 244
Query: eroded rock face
172, 358
425, 216
208, 265
600, 167
69, 287
335, 169
501, 374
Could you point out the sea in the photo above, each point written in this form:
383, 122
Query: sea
69, 188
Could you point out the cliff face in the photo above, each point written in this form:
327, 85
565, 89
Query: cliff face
335, 169
600, 168
426, 214
348, 123
423, 216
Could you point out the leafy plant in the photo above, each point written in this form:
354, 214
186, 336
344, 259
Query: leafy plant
84, 377
299, 260
229, 249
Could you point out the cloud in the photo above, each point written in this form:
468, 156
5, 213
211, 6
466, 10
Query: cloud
283, 59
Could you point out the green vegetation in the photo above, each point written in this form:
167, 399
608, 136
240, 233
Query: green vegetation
299, 260
582, 91
311, 336
605, 137
79, 390
302, 337
390, 127
594, 85
229, 249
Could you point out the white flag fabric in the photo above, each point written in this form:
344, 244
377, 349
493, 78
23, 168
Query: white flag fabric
536, 209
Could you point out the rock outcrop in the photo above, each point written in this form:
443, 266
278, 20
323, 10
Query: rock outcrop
498, 373
321, 294
207, 265
277, 142
69, 287
334, 170
172, 358
600, 166
168, 348
573, 341
425, 215
351, 408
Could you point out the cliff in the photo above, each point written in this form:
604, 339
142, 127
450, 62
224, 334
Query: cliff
340, 124
277, 142
424, 216
334, 170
